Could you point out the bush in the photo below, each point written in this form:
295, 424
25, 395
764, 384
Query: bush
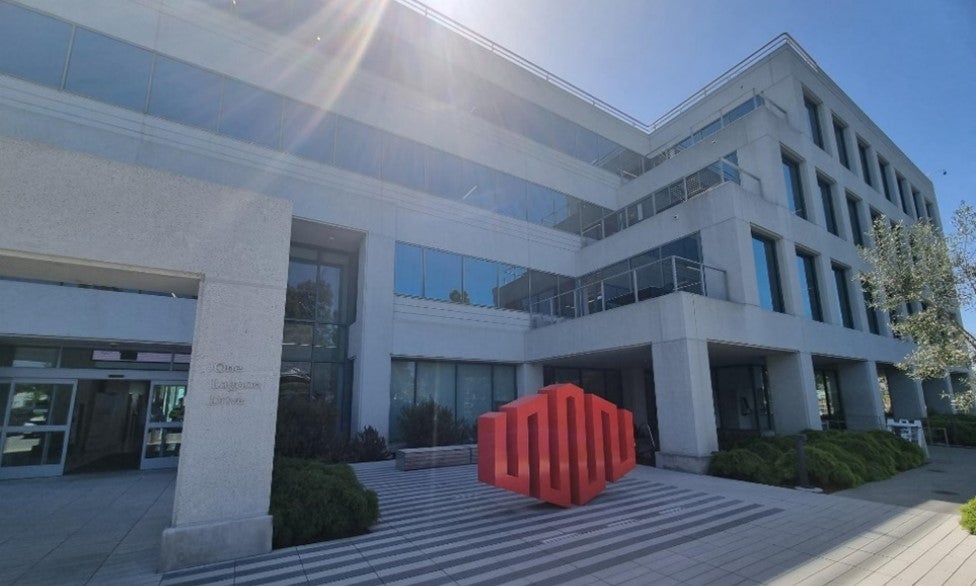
835, 459
312, 501
427, 424
369, 446
960, 428
968, 520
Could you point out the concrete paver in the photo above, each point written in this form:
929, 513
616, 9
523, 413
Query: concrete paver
442, 526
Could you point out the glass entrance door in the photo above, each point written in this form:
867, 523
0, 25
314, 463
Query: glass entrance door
34, 416
164, 425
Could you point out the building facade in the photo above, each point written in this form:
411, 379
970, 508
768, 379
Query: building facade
399, 210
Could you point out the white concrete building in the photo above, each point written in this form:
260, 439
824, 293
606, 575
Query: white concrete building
453, 222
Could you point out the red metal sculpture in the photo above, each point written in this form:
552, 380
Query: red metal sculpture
560, 446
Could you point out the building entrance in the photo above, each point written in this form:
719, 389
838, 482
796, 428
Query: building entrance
107, 425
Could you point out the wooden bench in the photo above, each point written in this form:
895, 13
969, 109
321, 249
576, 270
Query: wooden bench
419, 458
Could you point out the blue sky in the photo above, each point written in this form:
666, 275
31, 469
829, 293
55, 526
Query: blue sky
911, 66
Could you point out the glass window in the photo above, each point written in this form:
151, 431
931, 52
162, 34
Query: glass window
296, 342
813, 118
435, 380
329, 294
857, 233
32, 448
510, 196
919, 208
167, 405
185, 94
872, 313
300, 294
503, 385
883, 169
710, 129
442, 276
479, 185
308, 132
480, 281
794, 187
295, 379
840, 135
862, 151
767, 273
843, 296
109, 70
408, 276
806, 269
899, 184
513, 287
404, 162
31, 357
549, 208
444, 175
325, 382
38, 404
739, 111
249, 113
329, 343
828, 394
930, 211
402, 377
32, 46
827, 197
473, 391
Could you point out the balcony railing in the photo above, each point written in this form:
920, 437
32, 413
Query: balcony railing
671, 195
655, 279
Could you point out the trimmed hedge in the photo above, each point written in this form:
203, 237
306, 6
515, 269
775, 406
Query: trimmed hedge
312, 501
835, 459
306, 428
960, 428
968, 520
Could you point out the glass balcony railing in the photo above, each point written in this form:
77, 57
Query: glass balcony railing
715, 174
655, 279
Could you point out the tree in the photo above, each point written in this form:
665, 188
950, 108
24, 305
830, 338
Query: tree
917, 263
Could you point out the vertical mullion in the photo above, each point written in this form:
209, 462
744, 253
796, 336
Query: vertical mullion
67, 58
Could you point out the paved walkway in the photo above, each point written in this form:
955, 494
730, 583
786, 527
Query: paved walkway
443, 527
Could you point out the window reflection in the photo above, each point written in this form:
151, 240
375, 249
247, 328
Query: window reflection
409, 272
359, 148
109, 70
249, 113
308, 132
480, 281
32, 46
184, 93
442, 276
767, 273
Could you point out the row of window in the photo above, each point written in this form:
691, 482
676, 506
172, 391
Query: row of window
17, 356
910, 199
36, 47
771, 292
403, 62
445, 276
466, 388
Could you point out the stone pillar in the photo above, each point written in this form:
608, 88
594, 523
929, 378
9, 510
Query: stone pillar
938, 395
686, 412
223, 483
373, 334
792, 392
530, 378
907, 399
861, 395
635, 395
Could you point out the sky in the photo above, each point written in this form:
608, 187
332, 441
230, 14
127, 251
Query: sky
909, 65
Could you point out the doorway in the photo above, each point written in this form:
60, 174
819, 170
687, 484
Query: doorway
107, 426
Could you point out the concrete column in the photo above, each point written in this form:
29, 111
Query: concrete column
223, 483
530, 378
861, 395
907, 399
792, 392
635, 395
938, 395
828, 291
686, 412
374, 325
728, 246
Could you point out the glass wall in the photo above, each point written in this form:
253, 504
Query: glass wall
445, 276
794, 186
854, 215
828, 398
35, 47
24, 356
466, 388
827, 197
841, 281
602, 382
840, 134
317, 314
813, 119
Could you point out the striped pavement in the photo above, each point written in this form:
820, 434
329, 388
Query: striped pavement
442, 526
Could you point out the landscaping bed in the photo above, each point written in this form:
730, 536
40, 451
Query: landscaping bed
835, 460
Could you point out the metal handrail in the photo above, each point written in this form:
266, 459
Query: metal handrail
783, 39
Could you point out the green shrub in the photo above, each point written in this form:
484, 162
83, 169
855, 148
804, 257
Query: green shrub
306, 428
835, 459
960, 428
312, 501
427, 424
369, 446
968, 520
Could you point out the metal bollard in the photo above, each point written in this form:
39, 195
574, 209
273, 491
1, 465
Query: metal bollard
801, 461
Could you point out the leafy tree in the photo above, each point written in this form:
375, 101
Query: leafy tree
918, 263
